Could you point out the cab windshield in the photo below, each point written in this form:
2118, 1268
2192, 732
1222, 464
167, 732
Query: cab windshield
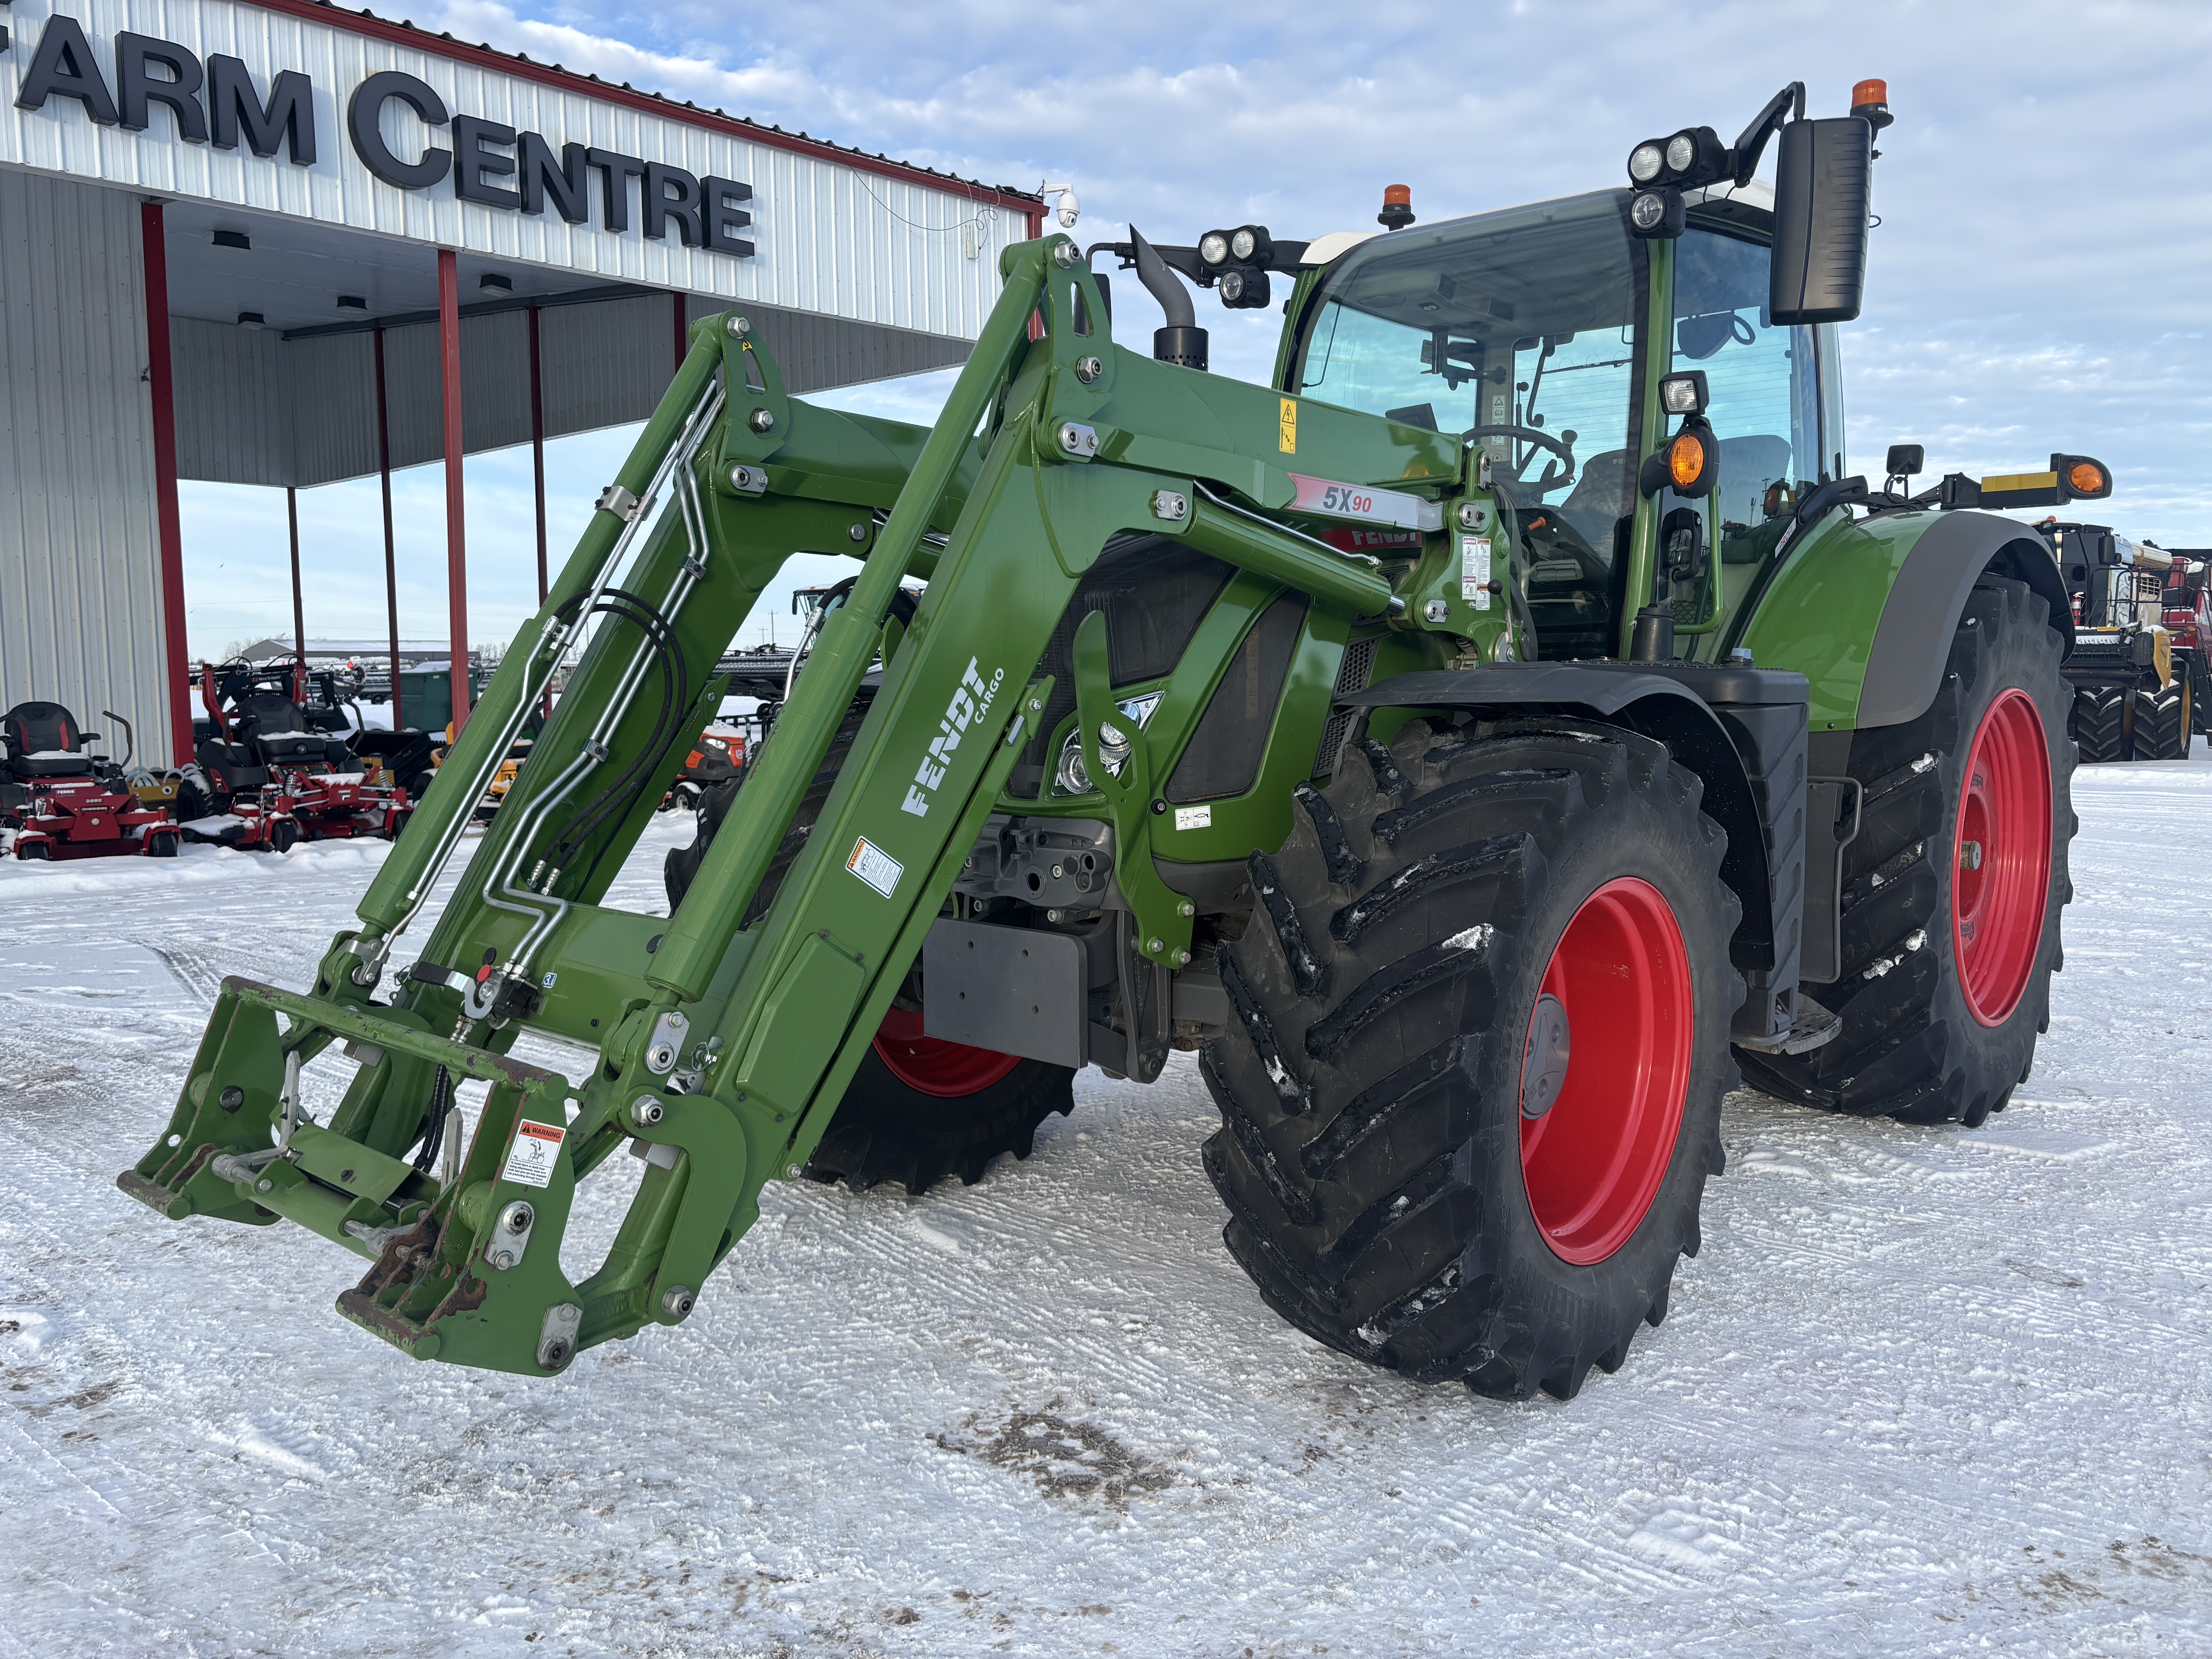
1518, 329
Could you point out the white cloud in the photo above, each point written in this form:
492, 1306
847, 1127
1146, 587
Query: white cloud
2038, 280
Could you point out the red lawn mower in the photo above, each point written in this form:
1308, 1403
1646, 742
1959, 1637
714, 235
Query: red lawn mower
64, 803
269, 777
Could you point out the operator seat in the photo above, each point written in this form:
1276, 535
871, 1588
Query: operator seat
45, 741
1600, 496
270, 723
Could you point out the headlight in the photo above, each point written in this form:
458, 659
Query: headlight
1232, 287
1649, 209
1682, 150
1213, 247
1645, 162
1241, 244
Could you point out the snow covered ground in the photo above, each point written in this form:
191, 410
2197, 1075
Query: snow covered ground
1926, 1390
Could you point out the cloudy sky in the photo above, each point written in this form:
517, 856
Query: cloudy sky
2041, 278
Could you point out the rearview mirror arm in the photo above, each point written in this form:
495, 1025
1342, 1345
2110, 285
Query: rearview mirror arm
1743, 160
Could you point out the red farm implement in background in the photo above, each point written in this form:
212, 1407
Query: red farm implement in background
269, 777
61, 802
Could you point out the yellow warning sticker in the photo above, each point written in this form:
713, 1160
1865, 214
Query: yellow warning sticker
1287, 422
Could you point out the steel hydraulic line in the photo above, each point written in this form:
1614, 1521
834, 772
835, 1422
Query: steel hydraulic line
547, 911
547, 658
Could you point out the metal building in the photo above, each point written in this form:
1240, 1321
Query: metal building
277, 242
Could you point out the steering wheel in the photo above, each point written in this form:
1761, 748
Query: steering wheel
1555, 478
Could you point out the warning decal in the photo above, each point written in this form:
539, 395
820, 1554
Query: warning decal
530, 1160
875, 866
1474, 570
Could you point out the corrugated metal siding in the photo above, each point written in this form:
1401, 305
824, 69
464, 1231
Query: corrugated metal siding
234, 417
828, 237
254, 408
80, 570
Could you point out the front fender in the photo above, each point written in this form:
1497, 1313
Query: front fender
1865, 608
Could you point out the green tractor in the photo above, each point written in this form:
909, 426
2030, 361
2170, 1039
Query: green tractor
1477, 745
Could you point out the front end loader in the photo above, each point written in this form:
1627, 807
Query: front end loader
1477, 744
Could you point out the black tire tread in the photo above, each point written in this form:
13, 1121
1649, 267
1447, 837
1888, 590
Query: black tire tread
2162, 722
2100, 715
1352, 1083
1909, 1050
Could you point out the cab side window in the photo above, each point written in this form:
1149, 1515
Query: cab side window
1764, 385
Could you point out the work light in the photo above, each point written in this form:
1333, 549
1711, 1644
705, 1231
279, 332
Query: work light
1645, 162
1659, 213
1683, 394
1213, 247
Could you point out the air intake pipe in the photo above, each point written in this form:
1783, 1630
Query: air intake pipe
1183, 342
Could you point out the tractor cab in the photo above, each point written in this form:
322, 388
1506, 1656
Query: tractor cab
1540, 335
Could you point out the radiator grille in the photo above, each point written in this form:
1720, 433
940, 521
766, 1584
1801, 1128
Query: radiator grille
1351, 676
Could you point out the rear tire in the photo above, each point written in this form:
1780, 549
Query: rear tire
1434, 916
970, 1106
1925, 1039
2162, 722
34, 852
2100, 723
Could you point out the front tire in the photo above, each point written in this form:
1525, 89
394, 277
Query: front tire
1954, 887
2162, 721
1471, 1093
2100, 723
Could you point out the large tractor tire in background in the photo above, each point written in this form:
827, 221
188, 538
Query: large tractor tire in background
919, 1109
1954, 887
2100, 722
2163, 722
1471, 1091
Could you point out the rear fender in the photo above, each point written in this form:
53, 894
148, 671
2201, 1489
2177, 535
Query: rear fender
1865, 609
1741, 731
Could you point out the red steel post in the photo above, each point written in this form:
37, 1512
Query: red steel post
299, 607
176, 654
391, 562
456, 558
537, 448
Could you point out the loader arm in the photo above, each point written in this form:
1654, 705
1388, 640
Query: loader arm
718, 1052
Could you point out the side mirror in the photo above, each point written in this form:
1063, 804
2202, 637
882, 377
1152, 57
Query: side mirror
1823, 190
1906, 460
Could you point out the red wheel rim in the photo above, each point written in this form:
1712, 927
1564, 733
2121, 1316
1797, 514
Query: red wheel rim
933, 1065
1593, 1163
2000, 858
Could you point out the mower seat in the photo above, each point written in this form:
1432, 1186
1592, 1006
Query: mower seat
231, 767
272, 724
44, 741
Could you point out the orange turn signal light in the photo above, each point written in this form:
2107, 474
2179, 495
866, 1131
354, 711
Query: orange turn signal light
2085, 478
1686, 459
